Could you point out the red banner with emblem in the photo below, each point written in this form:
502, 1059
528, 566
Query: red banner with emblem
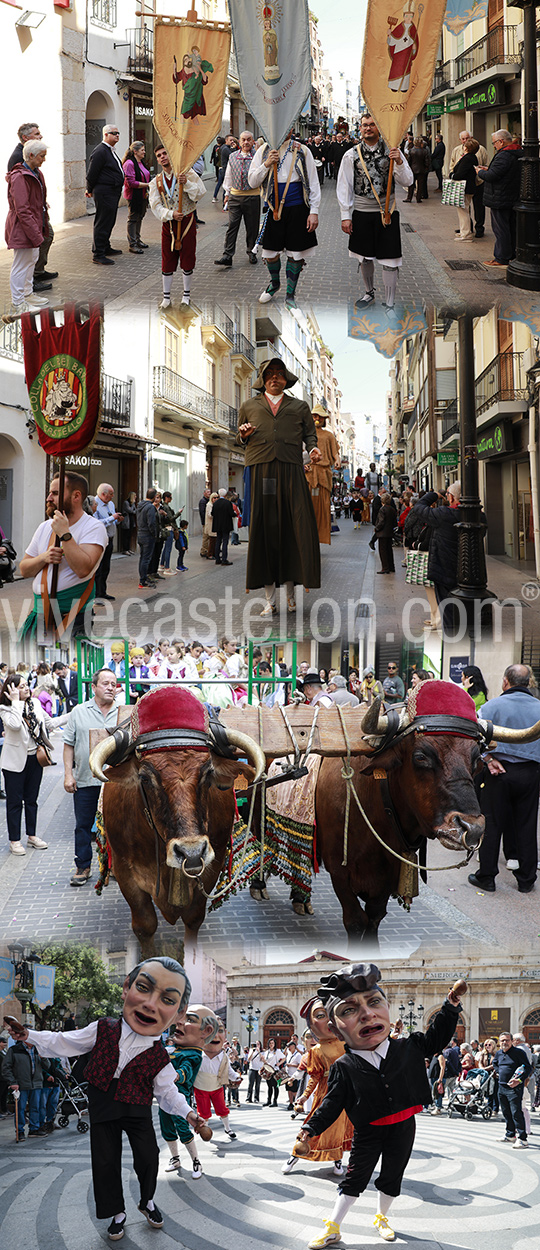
62, 365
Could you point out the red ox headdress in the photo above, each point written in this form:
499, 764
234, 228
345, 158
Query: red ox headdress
441, 706
166, 719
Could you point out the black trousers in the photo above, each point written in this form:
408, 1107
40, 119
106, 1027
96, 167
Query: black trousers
22, 789
273, 1091
103, 570
386, 553
479, 210
41, 262
509, 801
247, 209
511, 1101
254, 1085
106, 202
394, 1142
106, 1152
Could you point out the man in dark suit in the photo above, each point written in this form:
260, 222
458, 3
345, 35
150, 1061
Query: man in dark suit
67, 683
104, 182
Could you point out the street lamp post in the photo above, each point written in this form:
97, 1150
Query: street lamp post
524, 270
23, 958
251, 1019
411, 1015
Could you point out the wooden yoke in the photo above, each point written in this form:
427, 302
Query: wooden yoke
268, 727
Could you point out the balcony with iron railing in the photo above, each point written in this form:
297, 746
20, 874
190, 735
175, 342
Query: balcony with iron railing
213, 315
115, 402
226, 416
141, 50
11, 340
243, 347
499, 46
504, 381
103, 13
443, 78
173, 389
450, 420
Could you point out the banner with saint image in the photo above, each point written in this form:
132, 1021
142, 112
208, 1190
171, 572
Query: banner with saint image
191, 64
271, 43
401, 42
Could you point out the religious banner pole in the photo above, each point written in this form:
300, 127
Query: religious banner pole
191, 60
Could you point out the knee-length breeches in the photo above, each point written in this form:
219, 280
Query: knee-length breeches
392, 1143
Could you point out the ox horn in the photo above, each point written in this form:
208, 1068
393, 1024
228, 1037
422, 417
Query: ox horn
375, 721
502, 733
250, 748
100, 755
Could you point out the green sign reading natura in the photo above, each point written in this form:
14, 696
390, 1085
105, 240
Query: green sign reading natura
492, 442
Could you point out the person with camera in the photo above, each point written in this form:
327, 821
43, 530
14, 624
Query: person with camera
25, 753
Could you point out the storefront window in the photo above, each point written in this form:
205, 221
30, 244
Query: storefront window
169, 472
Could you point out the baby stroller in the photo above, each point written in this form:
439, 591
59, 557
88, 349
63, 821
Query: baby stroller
471, 1097
73, 1101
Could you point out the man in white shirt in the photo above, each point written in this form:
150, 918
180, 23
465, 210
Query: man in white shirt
128, 1066
299, 195
83, 539
242, 202
361, 190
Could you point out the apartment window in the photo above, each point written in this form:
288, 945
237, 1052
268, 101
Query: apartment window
237, 395
103, 13
171, 344
211, 377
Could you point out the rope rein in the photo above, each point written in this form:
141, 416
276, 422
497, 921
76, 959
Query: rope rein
347, 773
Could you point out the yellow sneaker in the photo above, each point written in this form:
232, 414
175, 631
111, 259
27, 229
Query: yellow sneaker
383, 1228
332, 1234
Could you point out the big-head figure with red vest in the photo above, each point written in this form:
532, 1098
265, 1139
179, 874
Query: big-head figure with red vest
128, 1066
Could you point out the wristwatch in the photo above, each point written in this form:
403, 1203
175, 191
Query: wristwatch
64, 538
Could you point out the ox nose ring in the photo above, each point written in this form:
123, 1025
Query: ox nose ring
193, 873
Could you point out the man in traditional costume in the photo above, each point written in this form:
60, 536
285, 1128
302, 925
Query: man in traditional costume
283, 541
178, 230
241, 200
127, 1068
331, 1145
299, 196
216, 1070
319, 475
190, 1037
382, 1083
361, 192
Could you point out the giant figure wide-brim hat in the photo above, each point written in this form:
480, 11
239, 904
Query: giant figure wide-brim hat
258, 384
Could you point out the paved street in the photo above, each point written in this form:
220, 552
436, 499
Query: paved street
37, 901
209, 602
428, 237
462, 1189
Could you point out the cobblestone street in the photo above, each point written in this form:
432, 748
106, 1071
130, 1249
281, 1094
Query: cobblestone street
462, 1189
428, 238
208, 602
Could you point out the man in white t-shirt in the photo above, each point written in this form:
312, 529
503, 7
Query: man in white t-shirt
83, 539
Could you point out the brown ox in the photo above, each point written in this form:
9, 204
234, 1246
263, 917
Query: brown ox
420, 788
189, 797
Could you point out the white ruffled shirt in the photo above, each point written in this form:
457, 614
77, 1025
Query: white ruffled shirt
81, 1041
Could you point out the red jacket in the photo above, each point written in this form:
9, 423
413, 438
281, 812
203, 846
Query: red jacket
27, 214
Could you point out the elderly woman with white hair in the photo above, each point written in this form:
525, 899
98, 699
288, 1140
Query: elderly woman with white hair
27, 224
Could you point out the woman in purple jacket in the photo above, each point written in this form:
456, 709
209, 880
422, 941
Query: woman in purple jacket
27, 224
136, 179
